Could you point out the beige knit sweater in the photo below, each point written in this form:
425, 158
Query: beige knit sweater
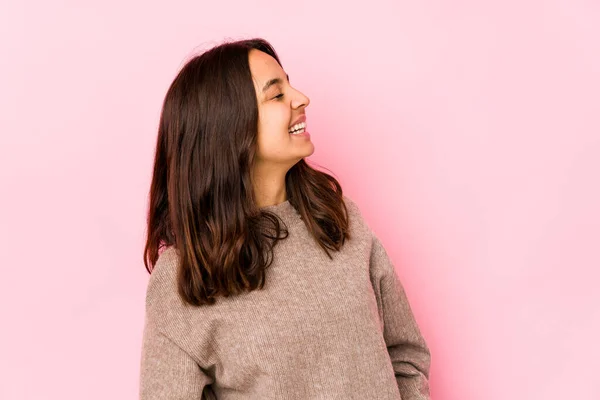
320, 328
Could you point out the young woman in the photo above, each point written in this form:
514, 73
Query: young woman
266, 282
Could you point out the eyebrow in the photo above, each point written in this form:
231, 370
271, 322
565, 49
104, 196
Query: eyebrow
274, 81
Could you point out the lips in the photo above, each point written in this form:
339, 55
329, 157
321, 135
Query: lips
301, 118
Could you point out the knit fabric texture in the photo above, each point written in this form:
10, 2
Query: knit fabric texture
320, 328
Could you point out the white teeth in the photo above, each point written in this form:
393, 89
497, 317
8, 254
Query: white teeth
298, 128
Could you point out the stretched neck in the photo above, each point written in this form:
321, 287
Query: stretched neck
269, 185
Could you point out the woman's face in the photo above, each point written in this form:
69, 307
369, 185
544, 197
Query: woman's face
280, 108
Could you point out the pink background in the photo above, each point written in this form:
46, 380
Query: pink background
468, 132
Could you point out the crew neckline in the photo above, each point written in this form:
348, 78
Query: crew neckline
276, 206
285, 210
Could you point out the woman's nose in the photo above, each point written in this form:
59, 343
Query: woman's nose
301, 100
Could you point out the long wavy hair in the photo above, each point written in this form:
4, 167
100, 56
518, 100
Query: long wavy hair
201, 198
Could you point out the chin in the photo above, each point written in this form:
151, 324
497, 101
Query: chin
309, 152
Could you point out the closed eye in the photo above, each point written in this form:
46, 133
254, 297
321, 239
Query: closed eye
278, 96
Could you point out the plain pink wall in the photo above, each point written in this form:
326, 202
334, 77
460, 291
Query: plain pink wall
468, 132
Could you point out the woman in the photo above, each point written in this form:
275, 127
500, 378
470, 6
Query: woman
266, 282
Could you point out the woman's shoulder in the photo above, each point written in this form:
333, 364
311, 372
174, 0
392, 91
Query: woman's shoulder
166, 264
351, 205
358, 224
162, 283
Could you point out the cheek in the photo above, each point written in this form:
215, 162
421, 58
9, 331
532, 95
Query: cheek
275, 118
273, 139
273, 126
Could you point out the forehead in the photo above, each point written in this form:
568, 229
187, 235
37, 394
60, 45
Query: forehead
263, 67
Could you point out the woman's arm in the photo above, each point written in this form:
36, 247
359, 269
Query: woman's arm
407, 348
167, 372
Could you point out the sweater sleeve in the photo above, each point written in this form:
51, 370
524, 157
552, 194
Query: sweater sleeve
407, 348
167, 372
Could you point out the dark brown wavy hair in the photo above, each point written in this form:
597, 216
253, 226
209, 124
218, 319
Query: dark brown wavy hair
201, 198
